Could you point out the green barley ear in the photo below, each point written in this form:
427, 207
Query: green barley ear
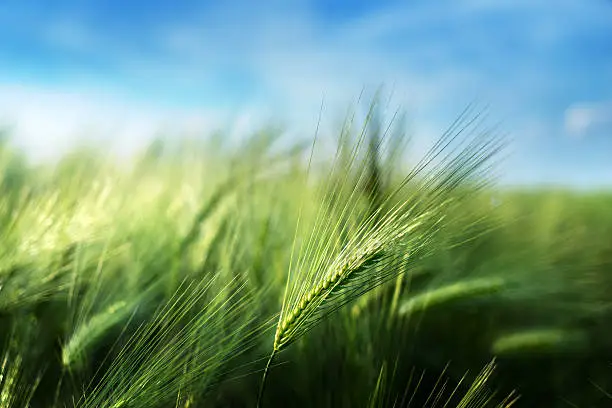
102, 305
466, 289
540, 341
328, 276
181, 350
89, 332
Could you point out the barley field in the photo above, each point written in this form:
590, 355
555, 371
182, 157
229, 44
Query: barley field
327, 272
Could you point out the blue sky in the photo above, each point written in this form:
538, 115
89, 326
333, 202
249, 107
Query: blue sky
119, 70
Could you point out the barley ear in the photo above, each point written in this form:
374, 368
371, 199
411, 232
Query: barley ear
549, 340
92, 330
461, 290
326, 277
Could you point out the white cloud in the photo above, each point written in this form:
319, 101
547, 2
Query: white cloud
583, 117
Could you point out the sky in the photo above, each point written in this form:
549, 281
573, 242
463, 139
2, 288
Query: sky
119, 71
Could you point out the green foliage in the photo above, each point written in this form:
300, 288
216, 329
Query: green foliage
169, 280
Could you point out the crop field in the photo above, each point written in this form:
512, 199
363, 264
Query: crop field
329, 272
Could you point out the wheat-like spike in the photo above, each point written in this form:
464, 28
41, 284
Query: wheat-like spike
540, 340
324, 279
151, 368
90, 331
325, 282
458, 290
348, 276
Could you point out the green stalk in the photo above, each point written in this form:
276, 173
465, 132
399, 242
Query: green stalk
263, 379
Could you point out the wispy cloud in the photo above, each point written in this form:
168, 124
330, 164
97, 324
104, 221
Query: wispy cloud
582, 118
